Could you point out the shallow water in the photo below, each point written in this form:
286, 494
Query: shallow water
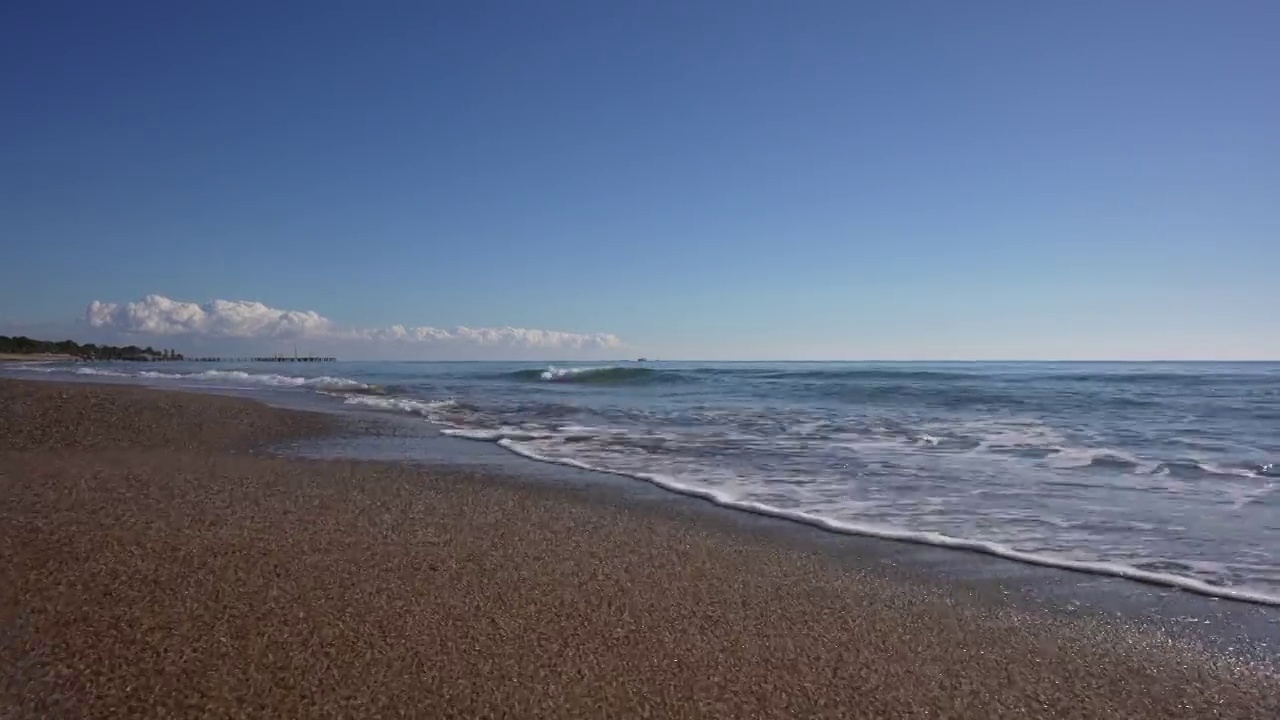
1156, 471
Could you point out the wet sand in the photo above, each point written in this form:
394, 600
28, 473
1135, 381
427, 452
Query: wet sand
153, 563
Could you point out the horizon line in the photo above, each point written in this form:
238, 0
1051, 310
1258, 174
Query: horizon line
856, 360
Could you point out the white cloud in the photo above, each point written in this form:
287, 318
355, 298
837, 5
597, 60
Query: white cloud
239, 320
160, 316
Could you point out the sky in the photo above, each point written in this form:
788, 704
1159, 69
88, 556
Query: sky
692, 179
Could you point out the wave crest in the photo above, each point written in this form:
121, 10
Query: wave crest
608, 375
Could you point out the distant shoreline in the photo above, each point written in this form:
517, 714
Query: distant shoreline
37, 357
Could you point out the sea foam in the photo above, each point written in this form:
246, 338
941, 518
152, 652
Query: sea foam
513, 441
323, 382
429, 409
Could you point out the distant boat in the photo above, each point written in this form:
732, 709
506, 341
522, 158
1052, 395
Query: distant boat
643, 360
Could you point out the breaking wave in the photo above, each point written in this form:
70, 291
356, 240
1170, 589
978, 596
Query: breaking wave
239, 377
608, 375
429, 409
324, 382
100, 372
231, 377
629, 374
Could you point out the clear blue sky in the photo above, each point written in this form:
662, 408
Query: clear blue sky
702, 179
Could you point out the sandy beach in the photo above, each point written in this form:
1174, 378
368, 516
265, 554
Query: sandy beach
156, 561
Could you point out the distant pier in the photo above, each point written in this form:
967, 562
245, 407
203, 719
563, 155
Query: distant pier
23, 346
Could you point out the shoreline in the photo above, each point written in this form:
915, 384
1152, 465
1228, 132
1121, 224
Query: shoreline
1234, 623
1240, 628
1210, 587
155, 553
935, 540
23, 357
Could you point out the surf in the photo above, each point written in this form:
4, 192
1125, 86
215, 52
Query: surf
241, 378
603, 375
515, 441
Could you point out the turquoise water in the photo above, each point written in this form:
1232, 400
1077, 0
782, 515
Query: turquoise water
1157, 471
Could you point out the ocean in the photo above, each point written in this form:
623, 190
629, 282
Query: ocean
1163, 472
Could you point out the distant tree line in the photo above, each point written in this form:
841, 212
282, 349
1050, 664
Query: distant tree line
26, 346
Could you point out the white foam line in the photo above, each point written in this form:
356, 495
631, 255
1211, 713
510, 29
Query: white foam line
921, 538
36, 367
271, 379
1214, 469
407, 405
104, 373
323, 382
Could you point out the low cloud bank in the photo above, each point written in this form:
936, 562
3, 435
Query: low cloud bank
246, 324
